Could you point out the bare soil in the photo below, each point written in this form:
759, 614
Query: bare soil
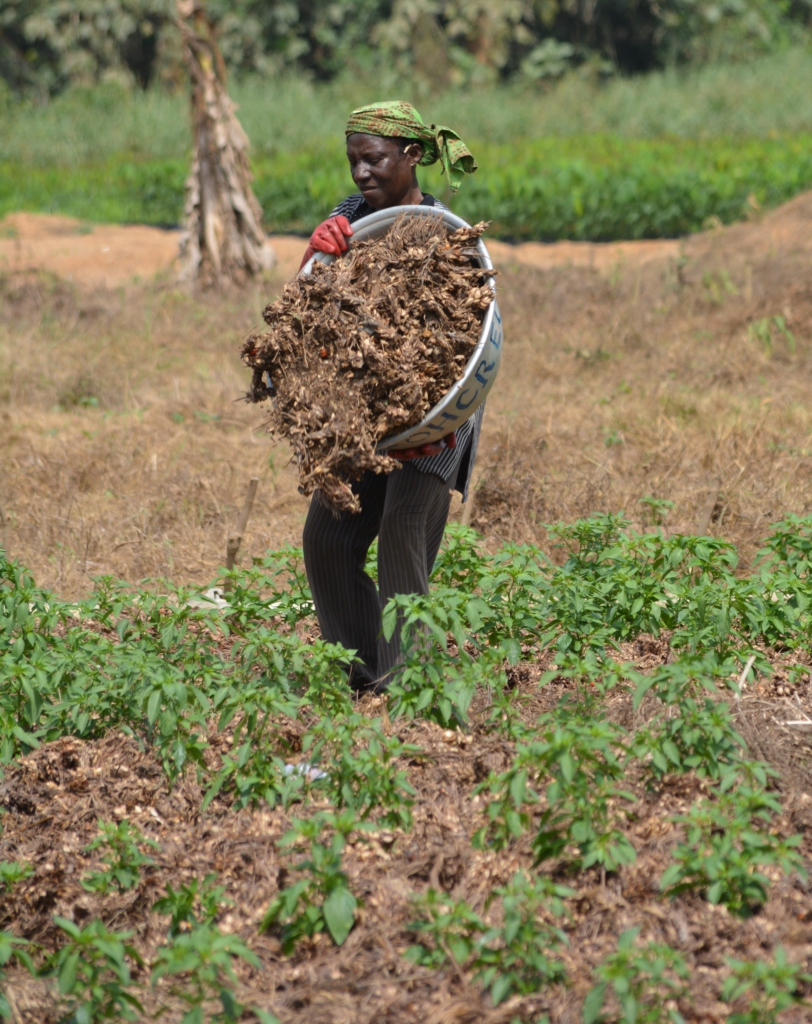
113, 254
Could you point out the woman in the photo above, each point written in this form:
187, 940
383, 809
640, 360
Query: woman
406, 509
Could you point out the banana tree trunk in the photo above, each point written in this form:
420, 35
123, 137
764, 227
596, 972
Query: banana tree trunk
223, 240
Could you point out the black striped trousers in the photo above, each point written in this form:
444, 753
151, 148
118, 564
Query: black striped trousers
407, 510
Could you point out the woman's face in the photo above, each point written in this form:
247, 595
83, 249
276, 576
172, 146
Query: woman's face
383, 172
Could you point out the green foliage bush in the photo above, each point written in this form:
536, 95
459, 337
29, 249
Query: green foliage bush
698, 733
46, 44
572, 772
598, 188
358, 769
727, 840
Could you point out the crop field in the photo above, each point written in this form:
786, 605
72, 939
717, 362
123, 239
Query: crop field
574, 798
646, 158
595, 187
587, 795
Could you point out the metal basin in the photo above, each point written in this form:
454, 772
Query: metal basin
471, 390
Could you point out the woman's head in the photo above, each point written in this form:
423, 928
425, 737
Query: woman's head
386, 142
384, 168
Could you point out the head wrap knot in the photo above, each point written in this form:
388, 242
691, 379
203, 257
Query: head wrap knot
399, 120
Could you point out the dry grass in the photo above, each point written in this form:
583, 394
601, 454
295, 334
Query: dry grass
148, 481
651, 381
643, 380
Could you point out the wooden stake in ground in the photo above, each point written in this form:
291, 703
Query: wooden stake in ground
706, 515
223, 240
235, 539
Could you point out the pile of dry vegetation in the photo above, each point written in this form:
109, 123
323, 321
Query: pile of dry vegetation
366, 346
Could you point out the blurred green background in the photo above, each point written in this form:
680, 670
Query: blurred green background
601, 121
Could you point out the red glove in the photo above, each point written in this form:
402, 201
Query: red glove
330, 237
405, 454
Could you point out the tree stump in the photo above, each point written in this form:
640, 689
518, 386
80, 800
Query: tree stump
223, 241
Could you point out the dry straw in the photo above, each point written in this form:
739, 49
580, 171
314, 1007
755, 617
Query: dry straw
365, 347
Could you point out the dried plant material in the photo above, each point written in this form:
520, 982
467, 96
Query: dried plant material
365, 347
223, 238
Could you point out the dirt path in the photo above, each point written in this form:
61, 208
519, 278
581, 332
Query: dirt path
114, 254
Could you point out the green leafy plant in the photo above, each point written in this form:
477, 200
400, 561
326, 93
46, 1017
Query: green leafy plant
582, 760
518, 956
460, 562
699, 737
452, 928
657, 509
695, 733
357, 771
203, 957
322, 900
12, 872
504, 715
727, 840
790, 545
431, 683
122, 856
766, 988
12, 948
93, 973
513, 601
647, 983
257, 768
195, 903
274, 588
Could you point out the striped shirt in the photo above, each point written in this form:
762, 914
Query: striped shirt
452, 463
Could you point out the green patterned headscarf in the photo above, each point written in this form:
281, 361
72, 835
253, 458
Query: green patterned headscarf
399, 120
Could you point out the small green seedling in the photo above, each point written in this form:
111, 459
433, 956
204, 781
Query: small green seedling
12, 872
646, 981
122, 856
92, 970
766, 989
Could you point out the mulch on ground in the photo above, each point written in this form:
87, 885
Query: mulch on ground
54, 796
